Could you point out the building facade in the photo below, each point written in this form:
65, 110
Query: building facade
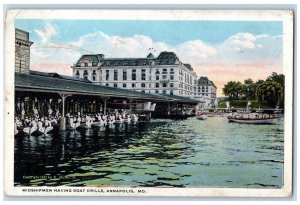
164, 74
22, 51
206, 92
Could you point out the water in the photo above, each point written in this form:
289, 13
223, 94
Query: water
162, 153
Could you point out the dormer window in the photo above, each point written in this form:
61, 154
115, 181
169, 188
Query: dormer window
86, 64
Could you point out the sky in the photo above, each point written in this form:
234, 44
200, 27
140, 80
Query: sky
221, 50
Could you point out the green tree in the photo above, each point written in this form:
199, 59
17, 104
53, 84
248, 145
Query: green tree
233, 89
271, 91
248, 89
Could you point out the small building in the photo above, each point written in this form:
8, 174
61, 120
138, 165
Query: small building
206, 92
22, 51
164, 74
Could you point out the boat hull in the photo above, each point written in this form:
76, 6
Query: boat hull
201, 117
253, 121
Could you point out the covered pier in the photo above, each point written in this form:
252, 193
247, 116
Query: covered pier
38, 92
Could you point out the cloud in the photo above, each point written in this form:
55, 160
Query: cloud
245, 48
46, 34
242, 54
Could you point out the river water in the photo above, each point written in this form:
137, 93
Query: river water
160, 153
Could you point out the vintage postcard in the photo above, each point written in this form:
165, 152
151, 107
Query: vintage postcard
148, 103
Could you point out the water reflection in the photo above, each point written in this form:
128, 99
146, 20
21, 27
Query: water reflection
163, 153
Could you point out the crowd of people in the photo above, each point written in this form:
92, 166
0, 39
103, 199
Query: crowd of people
38, 125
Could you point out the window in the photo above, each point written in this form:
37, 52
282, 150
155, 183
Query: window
164, 85
157, 77
157, 71
85, 74
143, 74
156, 91
164, 77
106, 84
133, 75
171, 92
86, 64
171, 85
143, 85
124, 85
77, 74
172, 70
115, 74
124, 74
107, 74
133, 85
171, 77
94, 75
115, 85
165, 70
157, 85
164, 91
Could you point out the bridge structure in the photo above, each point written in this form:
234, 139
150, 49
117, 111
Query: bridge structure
64, 94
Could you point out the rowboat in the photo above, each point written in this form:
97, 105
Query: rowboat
201, 116
252, 120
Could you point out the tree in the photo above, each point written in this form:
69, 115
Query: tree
232, 89
248, 89
271, 91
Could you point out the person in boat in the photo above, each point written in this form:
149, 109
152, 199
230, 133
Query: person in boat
22, 114
57, 114
50, 112
36, 112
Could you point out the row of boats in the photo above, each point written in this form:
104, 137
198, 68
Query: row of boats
241, 117
46, 125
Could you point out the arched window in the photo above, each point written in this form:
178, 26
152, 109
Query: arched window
133, 85
85, 74
157, 85
164, 85
143, 85
94, 75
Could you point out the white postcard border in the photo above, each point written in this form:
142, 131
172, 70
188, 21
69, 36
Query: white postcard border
279, 15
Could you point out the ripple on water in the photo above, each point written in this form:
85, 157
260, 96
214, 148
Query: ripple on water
162, 153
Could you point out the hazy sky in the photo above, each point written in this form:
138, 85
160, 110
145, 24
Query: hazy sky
220, 50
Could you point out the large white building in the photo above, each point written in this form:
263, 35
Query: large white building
164, 74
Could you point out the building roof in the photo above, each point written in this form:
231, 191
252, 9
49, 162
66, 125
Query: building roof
55, 83
205, 81
164, 58
150, 55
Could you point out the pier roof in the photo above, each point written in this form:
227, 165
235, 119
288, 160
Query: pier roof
182, 99
55, 83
